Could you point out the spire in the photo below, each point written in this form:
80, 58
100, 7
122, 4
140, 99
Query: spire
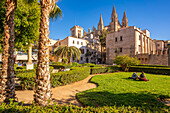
100, 24
124, 16
114, 14
89, 30
85, 33
101, 20
114, 20
94, 29
124, 20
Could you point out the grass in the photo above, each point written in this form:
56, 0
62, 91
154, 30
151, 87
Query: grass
116, 89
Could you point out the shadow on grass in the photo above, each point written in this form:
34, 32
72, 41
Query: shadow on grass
100, 99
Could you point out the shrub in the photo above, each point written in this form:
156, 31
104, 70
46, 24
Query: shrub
15, 108
27, 77
21, 67
109, 69
58, 63
67, 77
125, 62
61, 66
154, 70
75, 64
147, 65
88, 64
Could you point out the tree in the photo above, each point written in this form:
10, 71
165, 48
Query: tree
4, 74
102, 38
43, 86
27, 18
67, 52
125, 62
8, 85
2, 19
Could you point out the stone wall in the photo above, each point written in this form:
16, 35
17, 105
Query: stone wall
169, 56
127, 44
155, 59
158, 59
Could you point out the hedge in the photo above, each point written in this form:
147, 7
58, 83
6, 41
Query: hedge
67, 77
109, 69
61, 66
27, 78
154, 70
15, 108
147, 65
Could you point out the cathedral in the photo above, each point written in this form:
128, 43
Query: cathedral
130, 40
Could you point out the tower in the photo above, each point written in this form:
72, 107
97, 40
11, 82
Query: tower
77, 31
124, 20
100, 24
114, 20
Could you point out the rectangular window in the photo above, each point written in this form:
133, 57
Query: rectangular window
121, 38
116, 39
79, 33
81, 58
73, 42
120, 49
82, 51
116, 50
77, 42
81, 43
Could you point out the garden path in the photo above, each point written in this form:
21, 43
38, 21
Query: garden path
61, 95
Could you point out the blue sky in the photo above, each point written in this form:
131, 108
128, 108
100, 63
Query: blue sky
153, 15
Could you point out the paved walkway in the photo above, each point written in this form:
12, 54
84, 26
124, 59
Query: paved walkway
61, 95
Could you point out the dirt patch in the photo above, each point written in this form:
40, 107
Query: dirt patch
61, 95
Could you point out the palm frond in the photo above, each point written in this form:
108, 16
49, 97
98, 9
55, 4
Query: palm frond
67, 52
55, 12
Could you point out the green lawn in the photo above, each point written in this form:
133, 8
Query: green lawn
116, 89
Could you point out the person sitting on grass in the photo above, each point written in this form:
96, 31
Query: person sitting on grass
143, 77
134, 76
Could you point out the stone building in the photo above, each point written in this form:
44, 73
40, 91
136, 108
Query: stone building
88, 45
130, 40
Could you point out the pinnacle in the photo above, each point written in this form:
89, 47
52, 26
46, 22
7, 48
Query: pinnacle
114, 11
101, 20
124, 16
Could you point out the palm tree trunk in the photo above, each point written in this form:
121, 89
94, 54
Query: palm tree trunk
4, 60
43, 86
8, 53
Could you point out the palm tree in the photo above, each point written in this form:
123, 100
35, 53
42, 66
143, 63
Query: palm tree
43, 86
67, 52
7, 77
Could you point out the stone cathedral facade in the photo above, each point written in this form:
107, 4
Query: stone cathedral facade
130, 40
